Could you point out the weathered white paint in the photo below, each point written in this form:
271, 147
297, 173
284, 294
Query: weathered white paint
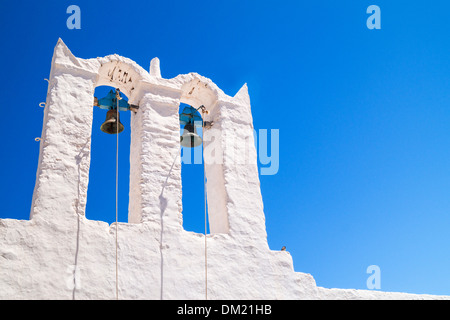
59, 254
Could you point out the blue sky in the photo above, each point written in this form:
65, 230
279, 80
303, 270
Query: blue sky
363, 116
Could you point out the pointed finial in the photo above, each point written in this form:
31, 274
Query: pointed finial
155, 71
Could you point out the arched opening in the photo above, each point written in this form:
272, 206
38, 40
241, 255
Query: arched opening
101, 195
202, 92
192, 177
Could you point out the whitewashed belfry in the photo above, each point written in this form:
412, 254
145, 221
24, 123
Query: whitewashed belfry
60, 254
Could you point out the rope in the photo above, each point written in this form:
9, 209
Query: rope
206, 248
204, 188
117, 192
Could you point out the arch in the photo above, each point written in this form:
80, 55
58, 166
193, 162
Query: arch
192, 184
120, 72
100, 192
197, 91
115, 71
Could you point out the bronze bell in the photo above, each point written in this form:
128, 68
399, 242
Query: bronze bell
190, 138
110, 124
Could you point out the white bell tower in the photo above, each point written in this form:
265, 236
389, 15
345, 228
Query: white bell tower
60, 254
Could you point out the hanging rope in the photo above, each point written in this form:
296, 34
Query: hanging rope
117, 192
206, 248
204, 188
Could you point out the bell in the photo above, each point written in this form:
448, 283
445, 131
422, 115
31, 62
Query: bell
190, 138
110, 124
